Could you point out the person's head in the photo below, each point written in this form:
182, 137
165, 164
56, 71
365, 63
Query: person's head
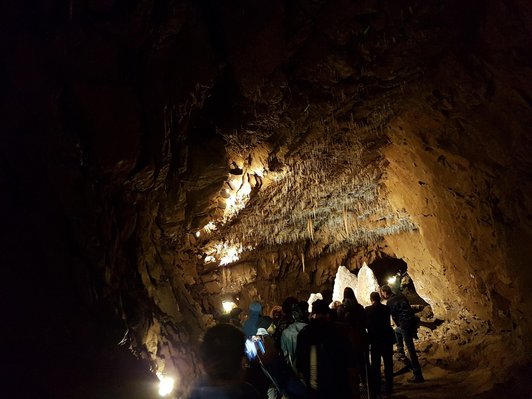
255, 308
235, 317
235, 313
221, 352
276, 313
287, 305
303, 307
350, 300
320, 309
375, 297
340, 311
264, 322
327, 295
300, 312
386, 291
349, 293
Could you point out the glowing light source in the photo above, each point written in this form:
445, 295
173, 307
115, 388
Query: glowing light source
224, 253
211, 226
238, 197
232, 254
198, 233
209, 259
392, 280
228, 306
166, 384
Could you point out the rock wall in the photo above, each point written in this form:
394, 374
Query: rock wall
122, 120
458, 167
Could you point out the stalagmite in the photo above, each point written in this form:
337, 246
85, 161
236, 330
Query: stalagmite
344, 278
366, 284
313, 298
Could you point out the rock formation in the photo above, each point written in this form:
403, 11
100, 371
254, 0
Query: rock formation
160, 156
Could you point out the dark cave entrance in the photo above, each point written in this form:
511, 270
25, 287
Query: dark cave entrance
386, 268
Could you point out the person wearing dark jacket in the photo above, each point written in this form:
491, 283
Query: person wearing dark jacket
381, 339
406, 328
322, 357
355, 321
221, 354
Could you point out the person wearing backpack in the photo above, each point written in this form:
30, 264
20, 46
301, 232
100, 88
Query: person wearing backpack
406, 328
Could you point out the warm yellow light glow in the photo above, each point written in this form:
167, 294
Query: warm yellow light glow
166, 384
230, 202
228, 306
224, 253
230, 254
198, 233
392, 280
238, 196
258, 171
245, 190
209, 259
211, 226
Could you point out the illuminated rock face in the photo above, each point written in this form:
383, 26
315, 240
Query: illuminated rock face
147, 145
366, 284
313, 298
344, 278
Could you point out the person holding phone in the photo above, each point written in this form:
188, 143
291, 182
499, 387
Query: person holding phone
221, 354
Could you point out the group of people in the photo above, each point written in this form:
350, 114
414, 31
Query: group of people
291, 354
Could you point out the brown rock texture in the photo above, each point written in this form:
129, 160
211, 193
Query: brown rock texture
160, 156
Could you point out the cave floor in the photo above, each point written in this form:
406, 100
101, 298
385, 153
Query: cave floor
441, 384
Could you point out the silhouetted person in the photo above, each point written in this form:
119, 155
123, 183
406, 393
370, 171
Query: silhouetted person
352, 314
276, 314
255, 320
289, 335
221, 354
286, 319
327, 296
303, 306
234, 317
283, 379
406, 328
322, 356
381, 339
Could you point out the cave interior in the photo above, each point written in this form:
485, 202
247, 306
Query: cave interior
159, 157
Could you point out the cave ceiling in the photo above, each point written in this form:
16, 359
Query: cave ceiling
150, 142
301, 110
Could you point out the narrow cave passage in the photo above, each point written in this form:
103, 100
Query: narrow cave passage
386, 268
160, 158
394, 272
